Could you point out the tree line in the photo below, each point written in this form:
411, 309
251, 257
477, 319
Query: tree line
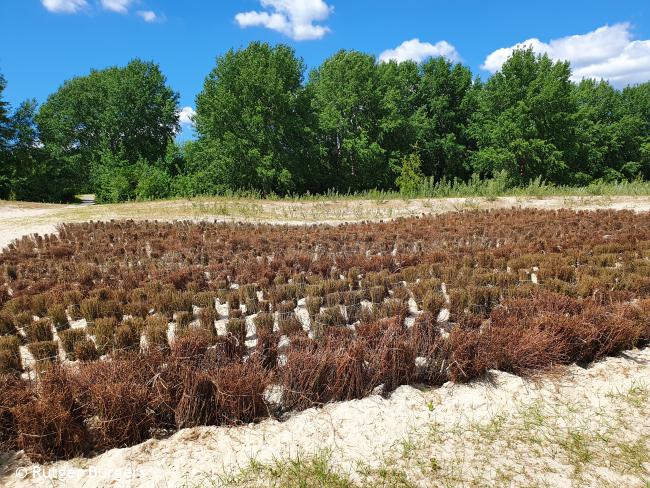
352, 124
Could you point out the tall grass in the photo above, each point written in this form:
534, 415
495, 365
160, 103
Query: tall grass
498, 186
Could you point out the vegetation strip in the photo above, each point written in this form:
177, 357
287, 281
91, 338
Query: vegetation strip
116, 332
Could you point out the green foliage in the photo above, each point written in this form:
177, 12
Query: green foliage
355, 127
254, 122
411, 177
6, 133
114, 117
348, 104
524, 121
446, 97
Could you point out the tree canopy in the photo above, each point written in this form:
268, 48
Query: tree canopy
108, 119
352, 124
254, 122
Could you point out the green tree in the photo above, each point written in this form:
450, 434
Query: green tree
117, 114
636, 110
398, 86
445, 100
348, 103
254, 123
609, 135
411, 177
6, 133
525, 122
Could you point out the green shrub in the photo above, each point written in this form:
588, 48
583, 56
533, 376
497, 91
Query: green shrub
155, 332
264, 323
126, 338
44, 350
411, 177
433, 302
313, 304
7, 326
85, 351
183, 319
10, 361
58, 316
104, 331
153, 183
39, 331
69, 338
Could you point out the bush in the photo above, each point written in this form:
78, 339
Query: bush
183, 319
155, 333
290, 324
127, 338
44, 351
10, 360
264, 322
90, 309
58, 316
50, 429
313, 304
433, 302
39, 331
69, 338
411, 178
104, 331
239, 392
85, 350
7, 326
153, 183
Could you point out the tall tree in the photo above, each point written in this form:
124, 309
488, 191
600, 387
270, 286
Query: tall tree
114, 116
636, 105
525, 122
6, 133
445, 101
348, 103
398, 87
254, 122
609, 135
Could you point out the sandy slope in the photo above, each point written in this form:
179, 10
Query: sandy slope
567, 430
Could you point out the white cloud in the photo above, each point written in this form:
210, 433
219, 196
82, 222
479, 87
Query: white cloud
119, 6
186, 116
148, 15
293, 18
609, 52
415, 50
64, 6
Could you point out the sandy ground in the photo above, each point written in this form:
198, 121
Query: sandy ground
583, 427
17, 219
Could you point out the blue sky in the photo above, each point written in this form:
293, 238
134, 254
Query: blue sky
49, 41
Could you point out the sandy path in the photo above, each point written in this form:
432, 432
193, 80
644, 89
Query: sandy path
504, 432
18, 219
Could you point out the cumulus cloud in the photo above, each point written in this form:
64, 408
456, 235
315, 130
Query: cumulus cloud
64, 6
186, 116
148, 15
609, 52
293, 18
415, 50
119, 6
